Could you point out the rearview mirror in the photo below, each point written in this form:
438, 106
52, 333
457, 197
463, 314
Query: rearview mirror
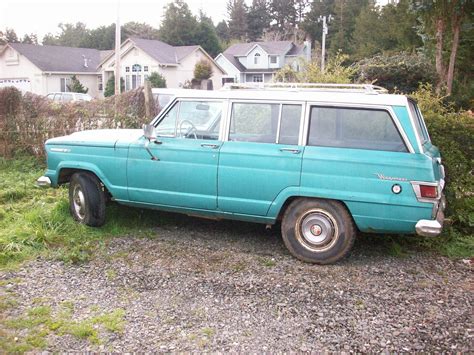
149, 131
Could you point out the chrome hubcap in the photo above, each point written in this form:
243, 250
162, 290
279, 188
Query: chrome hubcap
78, 202
317, 230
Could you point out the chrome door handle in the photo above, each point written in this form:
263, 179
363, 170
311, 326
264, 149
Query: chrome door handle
212, 146
291, 150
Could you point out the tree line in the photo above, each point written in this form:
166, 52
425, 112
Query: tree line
441, 30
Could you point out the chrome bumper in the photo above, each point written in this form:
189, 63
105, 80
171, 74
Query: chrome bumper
432, 228
43, 181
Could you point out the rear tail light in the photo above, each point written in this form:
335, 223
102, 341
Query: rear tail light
428, 191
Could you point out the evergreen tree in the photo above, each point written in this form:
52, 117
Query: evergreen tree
179, 25
258, 20
202, 70
110, 86
30, 39
206, 36
76, 86
10, 36
223, 31
237, 13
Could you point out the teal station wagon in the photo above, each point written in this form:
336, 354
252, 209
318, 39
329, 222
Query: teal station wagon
325, 160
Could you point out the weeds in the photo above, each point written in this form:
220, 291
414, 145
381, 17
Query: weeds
36, 221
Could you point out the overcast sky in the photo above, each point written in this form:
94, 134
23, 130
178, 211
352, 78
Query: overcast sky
41, 17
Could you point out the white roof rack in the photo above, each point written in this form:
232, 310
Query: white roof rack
359, 88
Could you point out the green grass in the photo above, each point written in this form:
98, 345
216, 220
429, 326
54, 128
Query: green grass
36, 221
30, 331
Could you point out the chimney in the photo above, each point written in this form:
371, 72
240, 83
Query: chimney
307, 49
86, 65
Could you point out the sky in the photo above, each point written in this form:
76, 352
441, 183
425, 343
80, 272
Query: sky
43, 16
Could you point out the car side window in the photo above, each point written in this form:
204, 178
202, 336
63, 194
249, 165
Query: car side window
356, 128
192, 120
254, 122
290, 124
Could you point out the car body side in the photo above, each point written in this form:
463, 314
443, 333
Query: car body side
361, 179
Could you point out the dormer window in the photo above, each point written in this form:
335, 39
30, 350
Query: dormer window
273, 59
256, 58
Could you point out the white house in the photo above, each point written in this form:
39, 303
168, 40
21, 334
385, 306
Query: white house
258, 61
140, 57
45, 69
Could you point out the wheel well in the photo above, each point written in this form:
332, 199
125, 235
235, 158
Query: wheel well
293, 198
66, 173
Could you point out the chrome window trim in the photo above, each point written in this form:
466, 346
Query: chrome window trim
279, 124
388, 109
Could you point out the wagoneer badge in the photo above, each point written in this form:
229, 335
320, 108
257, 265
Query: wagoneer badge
391, 178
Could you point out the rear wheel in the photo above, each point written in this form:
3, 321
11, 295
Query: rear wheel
87, 199
318, 231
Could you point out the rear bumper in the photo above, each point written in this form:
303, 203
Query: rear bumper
432, 228
43, 181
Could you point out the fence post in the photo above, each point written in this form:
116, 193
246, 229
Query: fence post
149, 104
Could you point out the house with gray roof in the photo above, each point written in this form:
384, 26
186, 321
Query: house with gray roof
258, 61
140, 57
44, 69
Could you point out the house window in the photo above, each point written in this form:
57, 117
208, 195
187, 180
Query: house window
127, 82
63, 83
257, 78
256, 58
145, 68
127, 69
136, 68
273, 59
100, 85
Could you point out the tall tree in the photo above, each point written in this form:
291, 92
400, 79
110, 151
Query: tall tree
258, 19
9, 36
140, 29
179, 25
206, 35
237, 13
30, 39
223, 31
444, 18
310, 23
283, 14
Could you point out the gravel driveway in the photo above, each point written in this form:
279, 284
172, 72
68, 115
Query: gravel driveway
231, 286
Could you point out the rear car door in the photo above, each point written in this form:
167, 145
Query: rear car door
261, 156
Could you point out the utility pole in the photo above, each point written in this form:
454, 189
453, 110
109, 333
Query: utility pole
324, 19
117, 51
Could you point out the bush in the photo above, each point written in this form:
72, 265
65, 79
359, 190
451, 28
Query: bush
202, 70
453, 133
157, 80
401, 72
335, 72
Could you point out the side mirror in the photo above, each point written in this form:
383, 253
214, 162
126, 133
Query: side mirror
149, 132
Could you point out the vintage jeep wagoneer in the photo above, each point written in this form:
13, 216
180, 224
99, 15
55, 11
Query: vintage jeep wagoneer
324, 160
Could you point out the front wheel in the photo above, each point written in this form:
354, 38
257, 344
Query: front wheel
318, 231
87, 199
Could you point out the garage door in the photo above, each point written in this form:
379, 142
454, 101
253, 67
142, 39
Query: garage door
21, 84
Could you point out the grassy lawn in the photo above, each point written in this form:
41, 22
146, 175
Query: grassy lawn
36, 222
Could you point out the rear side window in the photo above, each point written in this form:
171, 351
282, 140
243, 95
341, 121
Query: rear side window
356, 128
419, 123
265, 123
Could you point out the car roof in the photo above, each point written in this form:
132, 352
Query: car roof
321, 96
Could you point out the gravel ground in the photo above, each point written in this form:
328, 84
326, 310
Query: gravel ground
231, 286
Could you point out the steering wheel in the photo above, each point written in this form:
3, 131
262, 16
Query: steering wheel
192, 130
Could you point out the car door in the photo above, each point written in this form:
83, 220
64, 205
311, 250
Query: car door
183, 169
261, 157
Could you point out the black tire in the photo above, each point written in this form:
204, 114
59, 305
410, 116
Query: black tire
318, 231
87, 199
